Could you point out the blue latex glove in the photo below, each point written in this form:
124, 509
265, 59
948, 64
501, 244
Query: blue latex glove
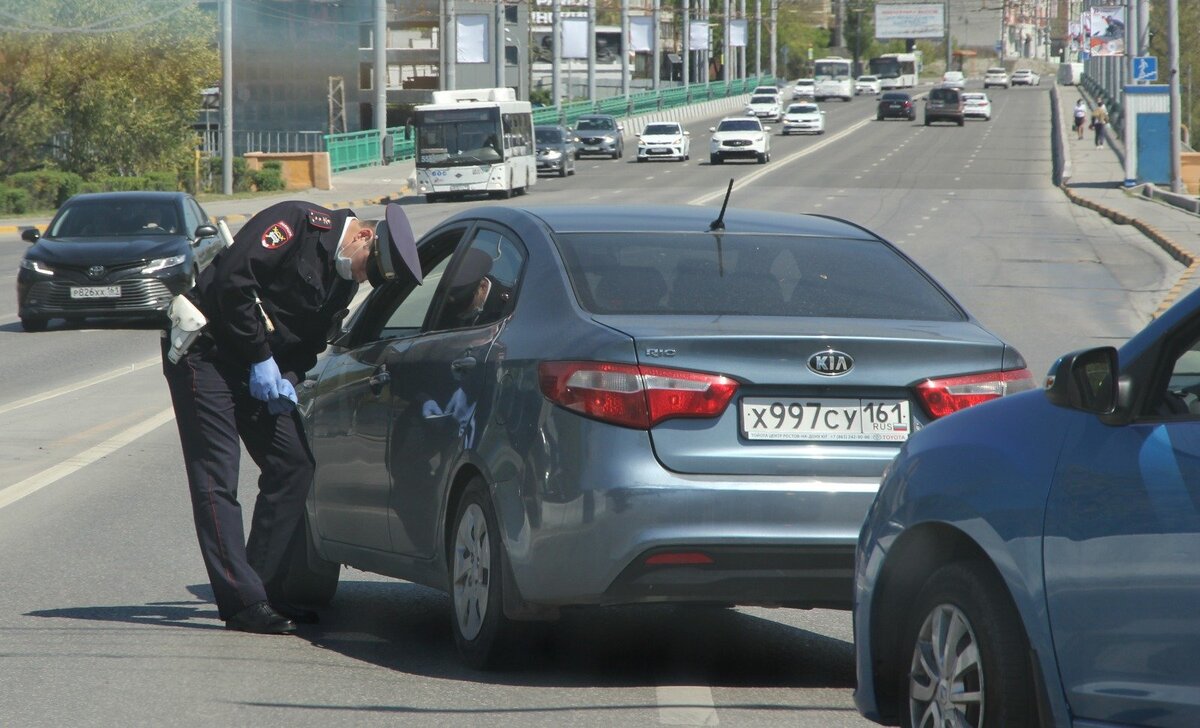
266, 382
285, 402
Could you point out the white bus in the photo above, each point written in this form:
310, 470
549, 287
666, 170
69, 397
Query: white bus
897, 70
474, 140
834, 76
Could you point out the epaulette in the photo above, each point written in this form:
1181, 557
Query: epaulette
319, 219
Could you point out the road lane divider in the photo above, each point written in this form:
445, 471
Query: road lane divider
75, 463
69, 388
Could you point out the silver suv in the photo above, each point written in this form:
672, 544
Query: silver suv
600, 134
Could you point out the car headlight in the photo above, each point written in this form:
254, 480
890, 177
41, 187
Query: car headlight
608, 139
37, 267
553, 154
163, 263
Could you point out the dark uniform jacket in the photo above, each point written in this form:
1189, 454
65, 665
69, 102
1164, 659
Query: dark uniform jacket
285, 256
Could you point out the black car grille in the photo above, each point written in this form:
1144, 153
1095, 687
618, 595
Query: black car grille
592, 140
137, 294
736, 143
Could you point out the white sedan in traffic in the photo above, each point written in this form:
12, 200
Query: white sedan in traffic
664, 140
739, 138
764, 106
1025, 77
868, 85
977, 105
803, 118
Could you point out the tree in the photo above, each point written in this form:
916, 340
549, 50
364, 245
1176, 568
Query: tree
103, 87
1189, 54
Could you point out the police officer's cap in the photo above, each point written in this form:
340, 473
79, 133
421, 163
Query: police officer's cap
395, 251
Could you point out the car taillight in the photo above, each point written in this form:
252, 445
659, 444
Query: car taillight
632, 395
941, 397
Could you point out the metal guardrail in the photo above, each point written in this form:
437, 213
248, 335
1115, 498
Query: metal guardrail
353, 150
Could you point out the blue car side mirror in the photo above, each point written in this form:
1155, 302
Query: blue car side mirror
1086, 380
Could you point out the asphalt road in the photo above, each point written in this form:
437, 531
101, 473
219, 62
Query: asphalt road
105, 612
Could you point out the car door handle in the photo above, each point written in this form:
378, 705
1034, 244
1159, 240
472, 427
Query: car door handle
463, 364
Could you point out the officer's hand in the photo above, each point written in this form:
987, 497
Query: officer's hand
266, 382
285, 402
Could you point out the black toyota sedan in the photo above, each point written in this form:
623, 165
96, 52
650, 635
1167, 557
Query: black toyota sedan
114, 255
895, 105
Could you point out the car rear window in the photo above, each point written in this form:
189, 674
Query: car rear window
947, 95
753, 275
894, 97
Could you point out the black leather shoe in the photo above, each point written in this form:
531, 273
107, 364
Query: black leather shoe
260, 618
295, 612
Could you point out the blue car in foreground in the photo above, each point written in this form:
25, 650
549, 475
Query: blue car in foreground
1036, 560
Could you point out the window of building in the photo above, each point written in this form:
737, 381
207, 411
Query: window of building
366, 36
364, 77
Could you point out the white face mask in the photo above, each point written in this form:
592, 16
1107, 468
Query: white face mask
344, 265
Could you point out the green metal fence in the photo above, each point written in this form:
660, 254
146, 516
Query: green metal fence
362, 148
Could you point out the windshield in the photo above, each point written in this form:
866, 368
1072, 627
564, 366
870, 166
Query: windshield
763, 100
548, 136
867, 79
739, 125
832, 70
885, 67
661, 129
115, 218
996, 71
458, 137
594, 125
802, 109
756, 275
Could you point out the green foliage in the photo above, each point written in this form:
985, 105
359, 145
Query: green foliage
1188, 19
268, 179
46, 188
118, 102
14, 201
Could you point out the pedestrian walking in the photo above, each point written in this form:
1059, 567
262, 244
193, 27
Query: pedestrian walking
269, 301
1099, 121
1080, 117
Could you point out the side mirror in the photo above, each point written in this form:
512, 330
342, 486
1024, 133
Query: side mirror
637, 136
1085, 380
30, 235
620, 127
766, 128
205, 231
687, 133
712, 129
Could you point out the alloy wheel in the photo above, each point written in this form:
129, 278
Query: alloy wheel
946, 680
472, 571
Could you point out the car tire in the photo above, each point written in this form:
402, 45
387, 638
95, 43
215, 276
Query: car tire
482, 632
763, 157
641, 159
562, 172
928, 122
33, 325
879, 117
967, 598
962, 121
310, 579
433, 197
715, 159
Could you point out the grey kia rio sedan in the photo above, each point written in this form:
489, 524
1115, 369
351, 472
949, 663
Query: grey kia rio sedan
624, 404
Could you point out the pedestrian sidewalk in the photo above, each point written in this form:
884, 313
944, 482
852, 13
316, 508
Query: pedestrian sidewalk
1094, 178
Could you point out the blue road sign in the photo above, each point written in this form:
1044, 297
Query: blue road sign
1145, 69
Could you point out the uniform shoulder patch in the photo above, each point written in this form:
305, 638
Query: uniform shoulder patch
276, 235
319, 219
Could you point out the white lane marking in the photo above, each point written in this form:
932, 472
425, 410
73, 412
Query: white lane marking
686, 705
705, 199
34, 399
36, 482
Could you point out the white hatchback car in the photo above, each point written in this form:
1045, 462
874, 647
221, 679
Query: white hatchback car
803, 118
804, 88
954, 79
977, 105
739, 137
1025, 77
996, 77
664, 140
764, 106
868, 85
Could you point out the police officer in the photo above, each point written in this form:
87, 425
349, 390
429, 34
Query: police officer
271, 299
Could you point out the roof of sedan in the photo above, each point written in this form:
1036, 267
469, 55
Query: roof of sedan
688, 218
144, 195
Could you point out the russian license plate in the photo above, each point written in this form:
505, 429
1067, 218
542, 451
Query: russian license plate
591, 148
842, 419
95, 292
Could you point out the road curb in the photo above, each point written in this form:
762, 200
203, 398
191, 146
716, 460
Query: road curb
1169, 246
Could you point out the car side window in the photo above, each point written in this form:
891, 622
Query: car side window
1181, 397
482, 285
191, 218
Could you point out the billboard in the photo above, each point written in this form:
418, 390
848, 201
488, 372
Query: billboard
910, 20
1105, 29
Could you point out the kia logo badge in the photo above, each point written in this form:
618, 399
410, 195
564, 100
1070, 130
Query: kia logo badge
830, 363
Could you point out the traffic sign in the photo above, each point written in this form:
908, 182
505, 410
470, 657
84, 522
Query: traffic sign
1145, 69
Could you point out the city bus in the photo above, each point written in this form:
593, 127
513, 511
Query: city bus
897, 70
474, 140
834, 77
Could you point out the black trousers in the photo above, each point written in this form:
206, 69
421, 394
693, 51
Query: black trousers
214, 409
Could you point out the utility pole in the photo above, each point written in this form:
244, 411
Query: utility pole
726, 48
227, 97
498, 44
451, 43
656, 43
758, 26
1173, 71
687, 42
591, 50
624, 49
555, 52
381, 74
774, 37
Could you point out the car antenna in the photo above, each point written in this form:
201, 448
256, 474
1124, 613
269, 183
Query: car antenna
719, 223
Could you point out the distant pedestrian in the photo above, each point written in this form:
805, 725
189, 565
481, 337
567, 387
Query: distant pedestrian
1080, 117
1099, 121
